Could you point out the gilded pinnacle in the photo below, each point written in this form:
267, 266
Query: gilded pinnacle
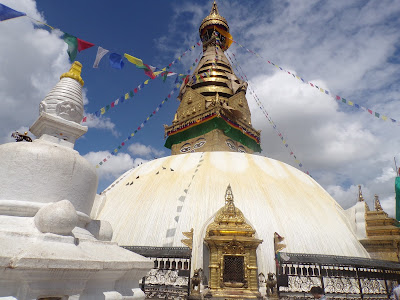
74, 72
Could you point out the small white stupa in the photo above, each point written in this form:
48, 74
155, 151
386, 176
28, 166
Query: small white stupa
49, 246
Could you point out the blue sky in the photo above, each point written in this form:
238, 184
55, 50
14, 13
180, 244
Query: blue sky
351, 48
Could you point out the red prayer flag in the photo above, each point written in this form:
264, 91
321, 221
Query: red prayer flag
122, 144
370, 111
149, 72
135, 90
84, 119
337, 97
112, 104
82, 45
311, 84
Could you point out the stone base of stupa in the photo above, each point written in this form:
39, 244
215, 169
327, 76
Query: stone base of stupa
36, 265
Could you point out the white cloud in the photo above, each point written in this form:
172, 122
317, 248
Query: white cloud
113, 167
31, 63
141, 150
101, 123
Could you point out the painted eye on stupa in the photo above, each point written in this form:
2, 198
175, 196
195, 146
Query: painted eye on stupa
241, 149
186, 148
199, 143
231, 144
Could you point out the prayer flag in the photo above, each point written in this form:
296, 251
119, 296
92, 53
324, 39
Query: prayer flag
9, 13
82, 45
103, 111
149, 72
72, 43
136, 61
164, 76
100, 54
116, 61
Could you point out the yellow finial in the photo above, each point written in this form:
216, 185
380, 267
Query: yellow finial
74, 72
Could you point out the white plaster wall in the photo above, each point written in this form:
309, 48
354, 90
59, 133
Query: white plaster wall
44, 172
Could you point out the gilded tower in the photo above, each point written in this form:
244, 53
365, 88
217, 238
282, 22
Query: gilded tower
213, 114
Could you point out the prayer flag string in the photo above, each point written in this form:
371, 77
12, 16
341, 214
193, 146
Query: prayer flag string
76, 45
131, 93
338, 98
262, 108
123, 143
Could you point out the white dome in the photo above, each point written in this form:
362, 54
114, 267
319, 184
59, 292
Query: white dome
152, 205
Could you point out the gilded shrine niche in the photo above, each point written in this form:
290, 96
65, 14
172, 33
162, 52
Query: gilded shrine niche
233, 260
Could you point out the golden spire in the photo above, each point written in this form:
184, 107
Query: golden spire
378, 206
360, 195
214, 9
74, 72
213, 19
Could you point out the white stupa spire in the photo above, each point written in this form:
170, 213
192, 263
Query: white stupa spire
61, 110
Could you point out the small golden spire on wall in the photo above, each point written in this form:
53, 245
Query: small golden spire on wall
378, 206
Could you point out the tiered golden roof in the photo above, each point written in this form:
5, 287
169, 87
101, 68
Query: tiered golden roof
213, 90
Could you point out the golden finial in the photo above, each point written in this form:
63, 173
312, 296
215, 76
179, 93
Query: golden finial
214, 9
378, 206
214, 19
360, 195
74, 72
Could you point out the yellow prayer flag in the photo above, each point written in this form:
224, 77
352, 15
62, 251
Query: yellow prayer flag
321, 90
157, 73
283, 141
163, 102
148, 118
164, 69
126, 96
178, 85
132, 134
179, 58
298, 77
103, 111
384, 118
146, 82
136, 61
350, 103
97, 166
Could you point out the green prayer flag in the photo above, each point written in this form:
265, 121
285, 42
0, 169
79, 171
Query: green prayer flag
72, 43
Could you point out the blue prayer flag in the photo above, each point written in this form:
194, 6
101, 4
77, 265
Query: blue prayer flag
116, 61
9, 13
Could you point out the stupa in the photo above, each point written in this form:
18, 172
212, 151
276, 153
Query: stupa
172, 209
49, 246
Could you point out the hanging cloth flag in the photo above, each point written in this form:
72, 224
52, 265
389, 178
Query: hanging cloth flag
149, 72
136, 61
9, 13
83, 45
72, 43
227, 35
100, 54
116, 61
